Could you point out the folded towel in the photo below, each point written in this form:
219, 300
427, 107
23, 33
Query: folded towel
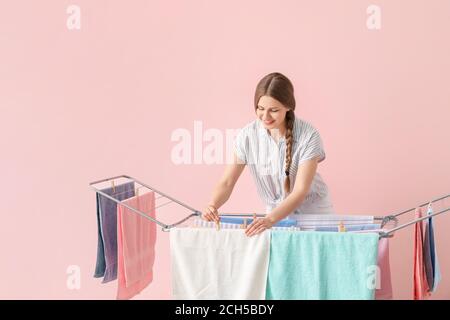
136, 237
225, 264
321, 265
106, 264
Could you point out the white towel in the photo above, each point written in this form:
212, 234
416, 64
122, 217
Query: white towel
225, 264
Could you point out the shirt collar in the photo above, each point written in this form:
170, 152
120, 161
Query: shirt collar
265, 132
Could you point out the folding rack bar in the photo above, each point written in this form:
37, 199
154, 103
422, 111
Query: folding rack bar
167, 227
391, 231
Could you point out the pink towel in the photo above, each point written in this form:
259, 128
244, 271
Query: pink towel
136, 237
385, 290
420, 279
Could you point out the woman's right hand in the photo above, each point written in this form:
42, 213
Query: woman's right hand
210, 213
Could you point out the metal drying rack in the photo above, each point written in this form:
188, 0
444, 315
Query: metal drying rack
196, 213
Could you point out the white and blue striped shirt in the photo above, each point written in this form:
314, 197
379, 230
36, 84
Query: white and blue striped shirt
265, 158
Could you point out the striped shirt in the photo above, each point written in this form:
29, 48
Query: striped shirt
265, 158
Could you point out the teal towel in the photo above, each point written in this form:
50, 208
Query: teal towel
314, 265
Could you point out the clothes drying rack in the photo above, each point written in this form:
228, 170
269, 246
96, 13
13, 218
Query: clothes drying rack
384, 220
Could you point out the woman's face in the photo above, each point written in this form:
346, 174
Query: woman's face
271, 112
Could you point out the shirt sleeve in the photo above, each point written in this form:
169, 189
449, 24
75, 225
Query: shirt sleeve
313, 148
241, 146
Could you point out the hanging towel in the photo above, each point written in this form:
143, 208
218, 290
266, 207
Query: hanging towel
100, 265
201, 223
312, 221
420, 285
136, 237
427, 259
211, 264
350, 227
432, 269
321, 265
384, 286
106, 265
384, 292
240, 220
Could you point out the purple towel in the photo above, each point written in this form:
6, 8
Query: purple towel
106, 265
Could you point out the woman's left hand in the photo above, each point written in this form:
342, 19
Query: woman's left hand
259, 225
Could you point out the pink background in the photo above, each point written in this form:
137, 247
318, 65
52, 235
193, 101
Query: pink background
82, 105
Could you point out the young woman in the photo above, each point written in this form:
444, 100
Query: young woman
282, 153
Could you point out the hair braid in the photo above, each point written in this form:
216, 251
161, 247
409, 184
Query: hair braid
279, 87
290, 118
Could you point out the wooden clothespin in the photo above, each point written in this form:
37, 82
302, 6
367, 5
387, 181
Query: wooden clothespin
113, 186
341, 227
218, 225
244, 225
136, 192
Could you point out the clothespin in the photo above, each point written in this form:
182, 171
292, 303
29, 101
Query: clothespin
218, 225
113, 186
341, 227
429, 208
244, 225
254, 216
136, 192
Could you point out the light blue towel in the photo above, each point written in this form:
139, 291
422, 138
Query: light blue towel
240, 220
318, 265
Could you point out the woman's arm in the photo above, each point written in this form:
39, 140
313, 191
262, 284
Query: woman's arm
223, 189
303, 180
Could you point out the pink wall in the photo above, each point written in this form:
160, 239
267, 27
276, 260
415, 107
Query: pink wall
81, 105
